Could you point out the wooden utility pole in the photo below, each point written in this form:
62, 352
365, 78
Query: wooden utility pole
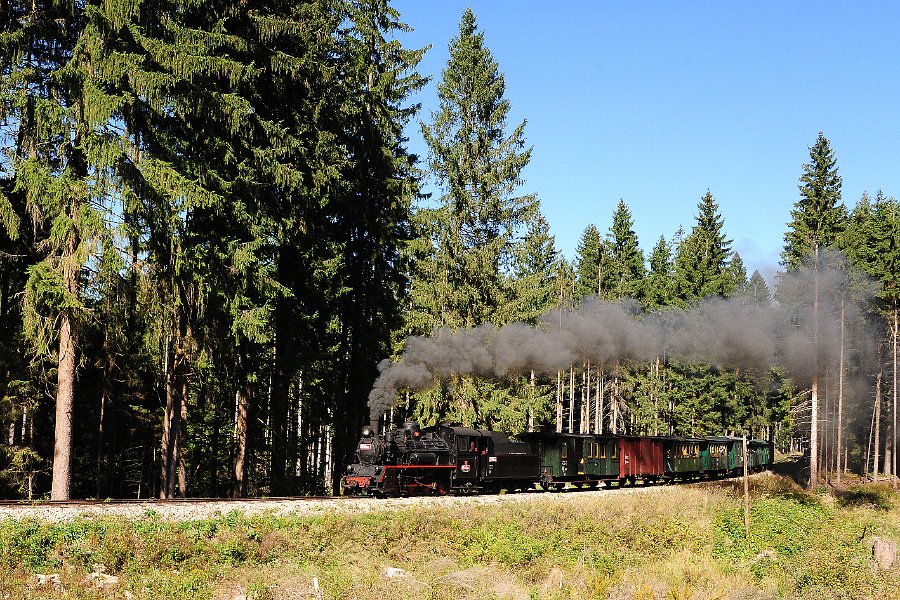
746, 490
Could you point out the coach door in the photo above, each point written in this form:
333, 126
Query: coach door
487, 460
467, 452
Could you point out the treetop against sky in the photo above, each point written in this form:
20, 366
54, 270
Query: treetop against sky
656, 103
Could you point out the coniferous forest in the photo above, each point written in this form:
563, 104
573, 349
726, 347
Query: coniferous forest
212, 231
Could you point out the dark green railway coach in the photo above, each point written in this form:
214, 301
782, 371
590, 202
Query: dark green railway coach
577, 460
717, 458
683, 458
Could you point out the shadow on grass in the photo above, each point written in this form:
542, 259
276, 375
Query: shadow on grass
878, 496
790, 475
792, 466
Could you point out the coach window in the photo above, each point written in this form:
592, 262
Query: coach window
565, 451
615, 450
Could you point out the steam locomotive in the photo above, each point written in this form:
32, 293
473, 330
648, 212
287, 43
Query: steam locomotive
446, 459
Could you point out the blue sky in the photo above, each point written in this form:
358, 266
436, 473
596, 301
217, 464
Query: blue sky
656, 102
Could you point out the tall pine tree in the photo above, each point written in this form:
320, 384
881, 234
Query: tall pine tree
588, 257
817, 220
622, 273
818, 217
478, 165
701, 261
658, 288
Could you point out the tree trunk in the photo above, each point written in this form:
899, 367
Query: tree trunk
103, 396
559, 394
894, 412
239, 487
170, 426
279, 414
814, 410
824, 456
571, 398
656, 389
586, 399
840, 415
877, 425
181, 441
531, 407
65, 400
867, 464
614, 402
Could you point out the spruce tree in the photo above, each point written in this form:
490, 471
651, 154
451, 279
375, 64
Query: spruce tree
701, 261
588, 262
738, 273
817, 221
818, 217
533, 273
478, 165
623, 273
658, 288
375, 212
872, 242
59, 165
757, 289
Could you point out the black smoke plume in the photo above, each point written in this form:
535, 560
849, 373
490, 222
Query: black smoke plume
726, 333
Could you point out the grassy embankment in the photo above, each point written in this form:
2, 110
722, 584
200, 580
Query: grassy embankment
678, 542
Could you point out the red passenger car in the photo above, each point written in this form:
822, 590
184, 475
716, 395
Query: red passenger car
640, 458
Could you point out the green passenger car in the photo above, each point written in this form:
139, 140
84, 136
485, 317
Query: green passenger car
760, 455
717, 456
682, 458
575, 459
600, 458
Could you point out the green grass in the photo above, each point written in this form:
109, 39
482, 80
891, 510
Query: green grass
678, 543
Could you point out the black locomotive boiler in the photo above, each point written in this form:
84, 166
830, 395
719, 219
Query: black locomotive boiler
438, 460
